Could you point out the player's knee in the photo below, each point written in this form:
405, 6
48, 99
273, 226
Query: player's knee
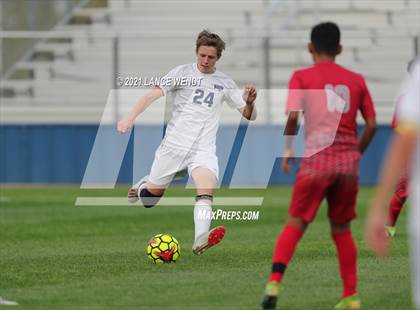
204, 198
337, 227
149, 199
298, 223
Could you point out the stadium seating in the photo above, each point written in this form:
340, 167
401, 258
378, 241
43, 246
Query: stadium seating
69, 80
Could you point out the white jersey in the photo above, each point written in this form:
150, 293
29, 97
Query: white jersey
408, 120
408, 116
196, 106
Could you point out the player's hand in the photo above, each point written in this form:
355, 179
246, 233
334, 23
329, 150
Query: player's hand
124, 125
288, 156
375, 235
250, 94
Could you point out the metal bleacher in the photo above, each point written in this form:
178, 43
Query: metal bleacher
67, 77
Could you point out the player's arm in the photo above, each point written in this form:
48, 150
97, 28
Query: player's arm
367, 109
400, 152
294, 107
290, 131
141, 105
367, 135
249, 111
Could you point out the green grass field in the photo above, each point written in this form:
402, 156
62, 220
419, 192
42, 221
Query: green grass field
54, 255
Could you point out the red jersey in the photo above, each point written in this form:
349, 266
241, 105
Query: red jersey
324, 113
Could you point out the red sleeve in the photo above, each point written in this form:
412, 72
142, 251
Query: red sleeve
294, 95
366, 107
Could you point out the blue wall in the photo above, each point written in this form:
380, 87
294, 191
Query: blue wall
60, 153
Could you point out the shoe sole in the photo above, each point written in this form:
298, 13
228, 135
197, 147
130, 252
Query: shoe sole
269, 303
215, 236
132, 199
135, 198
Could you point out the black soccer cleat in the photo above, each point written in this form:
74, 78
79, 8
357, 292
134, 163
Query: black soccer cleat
269, 302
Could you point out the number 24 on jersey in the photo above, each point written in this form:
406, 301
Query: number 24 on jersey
199, 94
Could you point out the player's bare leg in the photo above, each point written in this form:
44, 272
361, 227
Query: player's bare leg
205, 182
297, 223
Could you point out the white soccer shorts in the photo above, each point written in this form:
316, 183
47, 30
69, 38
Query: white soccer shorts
168, 161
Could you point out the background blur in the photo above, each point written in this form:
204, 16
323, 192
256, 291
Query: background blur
60, 60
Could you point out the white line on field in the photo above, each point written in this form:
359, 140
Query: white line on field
169, 201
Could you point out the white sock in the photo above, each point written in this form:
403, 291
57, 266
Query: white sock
202, 218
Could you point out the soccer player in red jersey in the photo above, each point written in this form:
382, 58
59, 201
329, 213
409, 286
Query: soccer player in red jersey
331, 173
401, 190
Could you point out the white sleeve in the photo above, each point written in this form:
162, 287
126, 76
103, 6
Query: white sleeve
233, 96
408, 110
168, 81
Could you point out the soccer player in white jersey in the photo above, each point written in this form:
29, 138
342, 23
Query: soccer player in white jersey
404, 147
190, 138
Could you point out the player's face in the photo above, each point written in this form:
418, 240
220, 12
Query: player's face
206, 58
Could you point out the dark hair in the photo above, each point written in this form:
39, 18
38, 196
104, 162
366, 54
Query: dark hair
325, 38
207, 38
